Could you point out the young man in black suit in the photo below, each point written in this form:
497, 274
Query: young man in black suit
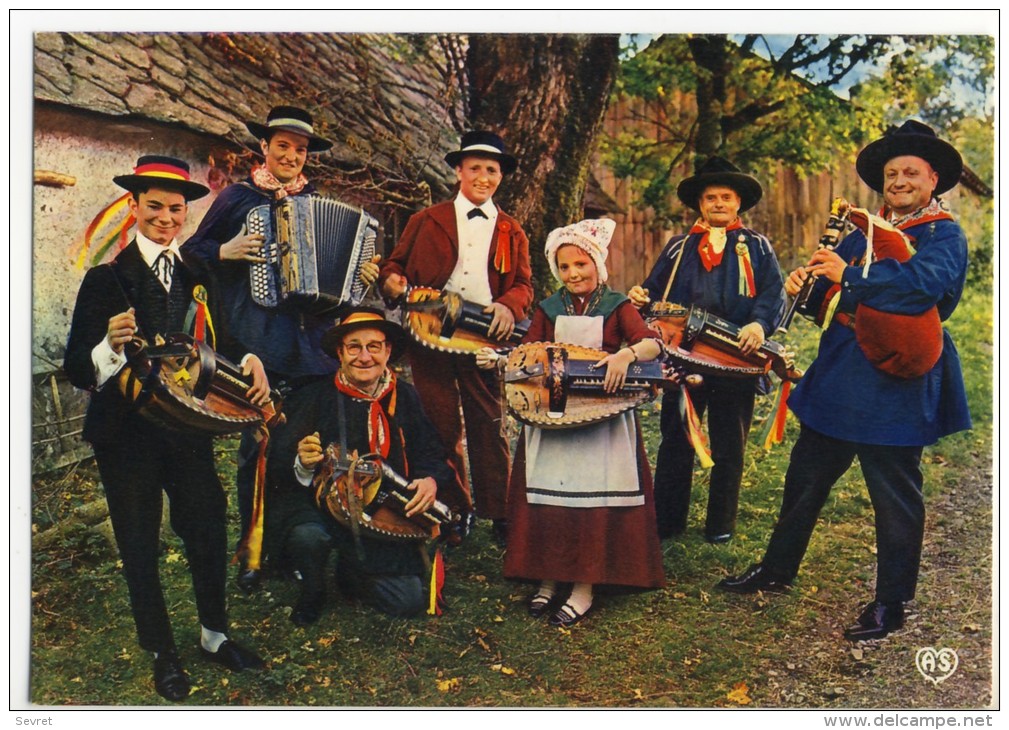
150, 289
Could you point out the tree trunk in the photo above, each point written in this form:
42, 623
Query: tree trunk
545, 95
711, 56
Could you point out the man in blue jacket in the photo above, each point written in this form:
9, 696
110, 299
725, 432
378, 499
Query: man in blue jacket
286, 338
730, 271
849, 407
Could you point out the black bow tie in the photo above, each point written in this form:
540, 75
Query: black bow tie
476, 213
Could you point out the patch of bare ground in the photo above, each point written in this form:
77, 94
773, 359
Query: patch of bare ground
950, 611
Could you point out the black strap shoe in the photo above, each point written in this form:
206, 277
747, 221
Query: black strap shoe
170, 679
755, 578
234, 656
876, 621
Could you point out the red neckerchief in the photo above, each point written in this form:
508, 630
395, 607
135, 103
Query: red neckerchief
266, 180
934, 211
709, 258
378, 422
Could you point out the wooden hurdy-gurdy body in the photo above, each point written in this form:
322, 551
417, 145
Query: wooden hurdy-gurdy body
553, 385
314, 248
700, 342
368, 497
183, 384
444, 321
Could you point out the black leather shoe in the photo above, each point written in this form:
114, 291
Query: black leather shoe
756, 578
719, 539
170, 680
308, 609
566, 616
248, 580
539, 605
234, 656
876, 621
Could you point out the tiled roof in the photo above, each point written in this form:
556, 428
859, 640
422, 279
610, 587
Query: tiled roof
387, 101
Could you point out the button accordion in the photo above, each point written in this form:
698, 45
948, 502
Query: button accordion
314, 248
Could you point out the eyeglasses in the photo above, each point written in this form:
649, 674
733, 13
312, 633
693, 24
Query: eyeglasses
374, 347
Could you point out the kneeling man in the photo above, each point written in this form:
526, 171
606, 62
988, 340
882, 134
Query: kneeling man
367, 408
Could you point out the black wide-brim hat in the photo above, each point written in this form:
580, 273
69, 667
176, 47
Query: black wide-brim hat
481, 143
356, 318
289, 119
719, 171
161, 171
915, 139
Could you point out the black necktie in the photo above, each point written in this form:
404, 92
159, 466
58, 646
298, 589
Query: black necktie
163, 268
476, 213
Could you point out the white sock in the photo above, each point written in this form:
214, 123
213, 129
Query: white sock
547, 589
211, 640
581, 597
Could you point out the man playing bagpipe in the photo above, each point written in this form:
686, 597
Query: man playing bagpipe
886, 381
364, 409
473, 248
150, 289
729, 271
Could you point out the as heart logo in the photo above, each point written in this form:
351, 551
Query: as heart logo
936, 665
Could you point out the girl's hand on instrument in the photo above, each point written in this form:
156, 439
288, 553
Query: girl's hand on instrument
310, 450
122, 327
426, 489
616, 369
827, 264
259, 393
243, 247
795, 280
394, 286
369, 271
486, 358
503, 323
638, 296
751, 337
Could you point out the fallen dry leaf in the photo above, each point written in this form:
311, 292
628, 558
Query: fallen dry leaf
740, 694
448, 685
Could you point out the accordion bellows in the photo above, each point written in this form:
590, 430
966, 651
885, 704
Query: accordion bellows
314, 248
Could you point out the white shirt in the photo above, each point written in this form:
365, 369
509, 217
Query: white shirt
107, 361
476, 235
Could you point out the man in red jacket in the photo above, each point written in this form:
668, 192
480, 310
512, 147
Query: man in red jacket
471, 247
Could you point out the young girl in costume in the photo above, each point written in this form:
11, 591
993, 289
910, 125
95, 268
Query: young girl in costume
580, 505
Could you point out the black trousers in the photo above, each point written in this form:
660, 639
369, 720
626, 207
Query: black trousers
134, 473
729, 404
893, 477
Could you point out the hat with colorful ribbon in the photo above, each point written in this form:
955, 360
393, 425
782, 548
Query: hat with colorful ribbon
356, 318
160, 171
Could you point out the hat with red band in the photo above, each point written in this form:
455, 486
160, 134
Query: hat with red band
160, 171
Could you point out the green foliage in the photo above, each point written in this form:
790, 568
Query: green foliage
761, 116
687, 101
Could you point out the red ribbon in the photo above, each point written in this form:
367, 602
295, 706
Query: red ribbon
378, 421
503, 251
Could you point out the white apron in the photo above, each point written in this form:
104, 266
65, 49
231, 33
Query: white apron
589, 466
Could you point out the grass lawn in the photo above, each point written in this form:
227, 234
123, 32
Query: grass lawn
684, 646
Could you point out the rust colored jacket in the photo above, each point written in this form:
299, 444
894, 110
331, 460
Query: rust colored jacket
429, 248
